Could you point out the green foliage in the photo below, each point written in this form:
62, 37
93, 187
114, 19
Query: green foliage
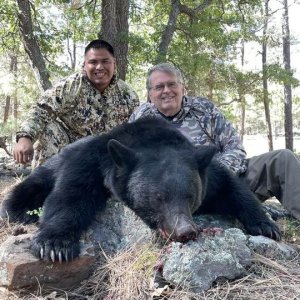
8, 26
55, 23
38, 212
279, 75
206, 47
291, 229
8, 128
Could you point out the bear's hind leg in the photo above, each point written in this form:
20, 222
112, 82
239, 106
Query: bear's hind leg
27, 196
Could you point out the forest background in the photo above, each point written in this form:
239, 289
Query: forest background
243, 55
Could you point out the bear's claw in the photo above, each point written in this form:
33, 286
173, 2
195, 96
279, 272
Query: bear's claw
268, 229
55, 249
52, 255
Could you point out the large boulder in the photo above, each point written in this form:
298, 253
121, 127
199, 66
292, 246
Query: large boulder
195, 266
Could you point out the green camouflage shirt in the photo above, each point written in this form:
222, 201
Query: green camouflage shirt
80, 108
204, 124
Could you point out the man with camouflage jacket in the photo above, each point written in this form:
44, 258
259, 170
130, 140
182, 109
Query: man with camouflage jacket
275, 173
86, 103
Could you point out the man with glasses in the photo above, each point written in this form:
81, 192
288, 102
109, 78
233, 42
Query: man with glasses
275, 173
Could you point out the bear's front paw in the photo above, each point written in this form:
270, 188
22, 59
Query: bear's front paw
265, 228
55, 249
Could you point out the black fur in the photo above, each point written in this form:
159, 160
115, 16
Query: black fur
150, 166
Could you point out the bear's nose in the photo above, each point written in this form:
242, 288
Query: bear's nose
185, 233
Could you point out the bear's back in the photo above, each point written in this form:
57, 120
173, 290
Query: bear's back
150, 132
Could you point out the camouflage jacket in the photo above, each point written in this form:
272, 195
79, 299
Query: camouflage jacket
80, 108
204, 124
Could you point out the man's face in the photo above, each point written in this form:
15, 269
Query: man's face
99, 66
166, 92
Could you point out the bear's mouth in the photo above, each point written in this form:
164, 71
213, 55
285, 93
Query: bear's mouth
165, 235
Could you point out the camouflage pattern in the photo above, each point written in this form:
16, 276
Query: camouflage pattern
201, 122
72, 109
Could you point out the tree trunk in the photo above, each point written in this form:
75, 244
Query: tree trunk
6, 109
288, 122
167, 35
115, 29
12, 97
72, 53
243, 116
31, 45
242, 96
210, 82
14, 71
265, 78
122, 37
176, 9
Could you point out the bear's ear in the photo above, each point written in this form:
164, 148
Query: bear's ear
204, 155
120, 154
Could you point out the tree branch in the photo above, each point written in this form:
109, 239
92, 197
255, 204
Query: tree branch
176, 9
31, 45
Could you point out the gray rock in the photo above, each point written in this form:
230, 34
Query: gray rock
118, 228
195, 266
211, 221
270, 248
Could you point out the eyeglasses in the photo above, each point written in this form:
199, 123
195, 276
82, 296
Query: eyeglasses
160, 87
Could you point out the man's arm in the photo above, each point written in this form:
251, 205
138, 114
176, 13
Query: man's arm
52, 103
232, 152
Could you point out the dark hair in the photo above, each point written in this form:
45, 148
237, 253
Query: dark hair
100, 44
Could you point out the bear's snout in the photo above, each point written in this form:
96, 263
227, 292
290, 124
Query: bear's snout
186, 233
181, 230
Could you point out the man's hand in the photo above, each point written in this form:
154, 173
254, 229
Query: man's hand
23, 151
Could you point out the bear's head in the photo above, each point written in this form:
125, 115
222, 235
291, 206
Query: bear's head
164, 186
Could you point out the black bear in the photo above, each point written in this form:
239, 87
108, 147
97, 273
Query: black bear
150, 166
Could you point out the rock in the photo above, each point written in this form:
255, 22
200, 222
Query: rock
270, 248
195, 266
118, 228
20, 269
211, 221
10, 168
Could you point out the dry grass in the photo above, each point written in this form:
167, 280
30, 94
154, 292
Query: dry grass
127, 275
8, 229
